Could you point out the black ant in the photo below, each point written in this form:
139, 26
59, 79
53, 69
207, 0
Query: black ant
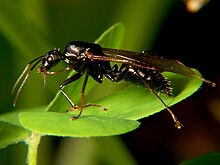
91, 59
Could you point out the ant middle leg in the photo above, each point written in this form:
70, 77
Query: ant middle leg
116, 75
82, 105
82, 98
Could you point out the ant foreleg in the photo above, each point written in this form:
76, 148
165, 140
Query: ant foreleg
56, 72
67, 81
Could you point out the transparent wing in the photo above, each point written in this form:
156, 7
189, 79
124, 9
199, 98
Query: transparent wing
144, 60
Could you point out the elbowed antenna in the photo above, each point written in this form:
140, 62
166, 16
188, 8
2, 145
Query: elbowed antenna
28, 71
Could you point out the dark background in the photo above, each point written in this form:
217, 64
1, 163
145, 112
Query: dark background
193, 39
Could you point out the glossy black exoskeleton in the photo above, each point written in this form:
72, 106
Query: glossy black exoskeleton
91, 59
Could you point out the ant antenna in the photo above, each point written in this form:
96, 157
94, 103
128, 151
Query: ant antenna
28, 71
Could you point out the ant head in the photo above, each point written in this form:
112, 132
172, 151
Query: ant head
49, 60
52, 58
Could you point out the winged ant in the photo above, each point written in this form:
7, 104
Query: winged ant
90, 59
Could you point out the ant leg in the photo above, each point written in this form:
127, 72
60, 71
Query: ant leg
96, 105
115, 76
56, 72
52, 73
89, 105
67, 81
70, 80
177, 123
82, 97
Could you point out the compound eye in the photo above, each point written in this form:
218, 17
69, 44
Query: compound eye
49, 59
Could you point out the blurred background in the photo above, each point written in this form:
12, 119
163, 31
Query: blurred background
174, 29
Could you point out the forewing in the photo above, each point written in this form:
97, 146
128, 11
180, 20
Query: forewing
150, 61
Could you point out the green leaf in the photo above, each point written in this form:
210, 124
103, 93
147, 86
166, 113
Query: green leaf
112, 38
10, 134
59, 124
11, 131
